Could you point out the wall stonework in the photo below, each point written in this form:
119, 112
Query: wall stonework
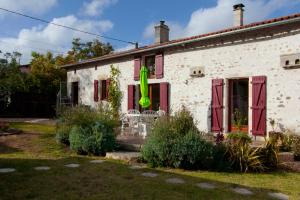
244, 59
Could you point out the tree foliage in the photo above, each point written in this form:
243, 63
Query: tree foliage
81, 51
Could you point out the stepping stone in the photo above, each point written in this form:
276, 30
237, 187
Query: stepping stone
277, 195
149, 174
206, 185
97, 161
72, 165
136, 167
175, 180
7, 170
242, 191
42, 168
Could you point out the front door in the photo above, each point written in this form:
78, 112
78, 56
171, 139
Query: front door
238, 105
74, 93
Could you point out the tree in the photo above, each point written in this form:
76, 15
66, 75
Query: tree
81, 51
115, 94
11, 78
46, 74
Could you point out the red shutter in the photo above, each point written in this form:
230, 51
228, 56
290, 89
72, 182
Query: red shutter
107, 88
131, 97
259, 105
217, 105
137, 67
96, 83
159, 66
164, 97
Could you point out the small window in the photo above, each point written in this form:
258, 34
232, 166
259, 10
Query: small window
297, 62
287, 62
150, 64
103, 90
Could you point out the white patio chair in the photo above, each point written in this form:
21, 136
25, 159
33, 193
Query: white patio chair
161, 113
125, 122
133, 117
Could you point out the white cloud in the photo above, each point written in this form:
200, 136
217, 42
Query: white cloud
96, 7
51, 37
220, 16
31, 6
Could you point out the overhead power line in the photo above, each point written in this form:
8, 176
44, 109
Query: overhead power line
68, 27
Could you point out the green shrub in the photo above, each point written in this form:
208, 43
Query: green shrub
176, 142
296, 146
94, 139
239, 137
62, 134
244, 158
192, 152
220, 161
183, 122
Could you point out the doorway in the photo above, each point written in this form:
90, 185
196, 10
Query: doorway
74, 93
238, 105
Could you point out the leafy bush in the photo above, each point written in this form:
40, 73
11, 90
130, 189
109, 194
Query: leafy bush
88, 131
192, 152
296, 146
95, 139
221, 160
176, 142
239, 137
62, 133
183, 122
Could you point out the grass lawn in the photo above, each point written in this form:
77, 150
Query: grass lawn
114, 179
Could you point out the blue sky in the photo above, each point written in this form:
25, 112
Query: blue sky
130, 20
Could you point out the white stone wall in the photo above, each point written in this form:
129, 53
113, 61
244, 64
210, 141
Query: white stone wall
232, 61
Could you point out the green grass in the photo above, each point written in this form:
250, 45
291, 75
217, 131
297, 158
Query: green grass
114, 180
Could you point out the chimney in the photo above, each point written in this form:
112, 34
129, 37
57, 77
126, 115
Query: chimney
238, 14
161, 33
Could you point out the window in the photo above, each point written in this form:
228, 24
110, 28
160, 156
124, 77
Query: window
103, 90
150, 64
297, 62
287, 62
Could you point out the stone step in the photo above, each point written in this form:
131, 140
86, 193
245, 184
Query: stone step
285, 157
123, 146
294, 166
123, 155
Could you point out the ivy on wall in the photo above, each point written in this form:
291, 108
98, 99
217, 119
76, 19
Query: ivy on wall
115, 95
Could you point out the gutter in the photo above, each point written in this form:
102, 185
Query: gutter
287, 21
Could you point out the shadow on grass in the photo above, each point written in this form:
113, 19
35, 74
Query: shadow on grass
108, 180
4, 149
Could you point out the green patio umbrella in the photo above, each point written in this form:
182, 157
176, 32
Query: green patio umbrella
144, 101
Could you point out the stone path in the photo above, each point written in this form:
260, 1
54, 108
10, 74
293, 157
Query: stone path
206, 185
149, 174
7, 170
42, 168
97, 161
175, 180
242, 191
72, 165
279, 196
203, 185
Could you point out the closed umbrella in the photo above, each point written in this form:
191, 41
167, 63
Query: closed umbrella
144, 101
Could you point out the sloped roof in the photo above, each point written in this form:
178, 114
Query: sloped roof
247, 27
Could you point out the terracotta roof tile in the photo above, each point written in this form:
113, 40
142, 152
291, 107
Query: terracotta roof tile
132, 51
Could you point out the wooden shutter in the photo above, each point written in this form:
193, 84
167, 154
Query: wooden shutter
259, 105
217, 105
159, 66
96, 97
107, 88
131, 89
137, 67
164, 97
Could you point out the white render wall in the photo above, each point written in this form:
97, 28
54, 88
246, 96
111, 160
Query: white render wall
232, 61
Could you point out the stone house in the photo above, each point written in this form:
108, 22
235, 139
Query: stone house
253, 69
